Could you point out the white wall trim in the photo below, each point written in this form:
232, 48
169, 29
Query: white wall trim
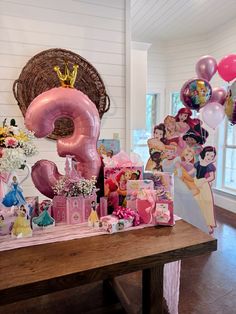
140, 45
225, 200
128, 74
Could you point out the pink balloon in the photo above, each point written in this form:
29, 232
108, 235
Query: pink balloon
227, 67
206, 67
45, 175
219, 95
51, 105
213, 114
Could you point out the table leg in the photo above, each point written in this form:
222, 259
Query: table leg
152, 290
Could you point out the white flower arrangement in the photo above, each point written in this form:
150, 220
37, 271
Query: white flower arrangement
68, 187
16, 144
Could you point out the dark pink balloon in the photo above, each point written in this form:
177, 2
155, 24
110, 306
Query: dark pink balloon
51, 105
227, 67
206, 67
219, 95
45, 175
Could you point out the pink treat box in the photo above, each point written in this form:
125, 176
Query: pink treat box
75, 208
164, 213
113, 224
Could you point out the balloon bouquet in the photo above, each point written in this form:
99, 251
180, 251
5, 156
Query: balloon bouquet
41, 115
213, 112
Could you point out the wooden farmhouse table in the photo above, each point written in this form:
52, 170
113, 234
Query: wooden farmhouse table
37, 270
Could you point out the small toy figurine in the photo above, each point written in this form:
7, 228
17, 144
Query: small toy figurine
93, 220
44, 219
21, 227
15, 195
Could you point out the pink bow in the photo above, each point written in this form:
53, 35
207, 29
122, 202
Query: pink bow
127, 213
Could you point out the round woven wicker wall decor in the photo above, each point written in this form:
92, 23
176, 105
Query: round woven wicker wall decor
38, 76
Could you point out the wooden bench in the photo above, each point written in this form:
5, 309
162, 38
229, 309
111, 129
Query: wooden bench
37, 270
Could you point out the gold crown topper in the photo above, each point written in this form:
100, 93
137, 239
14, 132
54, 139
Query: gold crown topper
68, 78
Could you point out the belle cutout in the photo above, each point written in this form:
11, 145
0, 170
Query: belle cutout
156, 144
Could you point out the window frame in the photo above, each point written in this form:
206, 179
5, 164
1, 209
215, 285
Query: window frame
225, 147
157, 110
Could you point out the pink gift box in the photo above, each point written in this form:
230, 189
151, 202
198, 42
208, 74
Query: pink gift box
75, 210
70, 210
6, 225
103, 207
59, 208
164, 213
112, 224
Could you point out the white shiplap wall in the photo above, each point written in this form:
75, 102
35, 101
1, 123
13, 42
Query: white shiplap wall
156, 81
177, 59
93, 29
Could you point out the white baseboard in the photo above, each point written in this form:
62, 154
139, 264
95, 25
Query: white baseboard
226, 202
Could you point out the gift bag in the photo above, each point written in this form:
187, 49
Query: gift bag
115, 184
153, 210
134, 187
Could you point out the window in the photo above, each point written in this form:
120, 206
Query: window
140, 137
176, 103
229, 158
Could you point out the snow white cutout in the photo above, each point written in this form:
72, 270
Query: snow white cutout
15, 196
205, 174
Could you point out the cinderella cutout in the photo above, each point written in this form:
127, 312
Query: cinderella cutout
14, 196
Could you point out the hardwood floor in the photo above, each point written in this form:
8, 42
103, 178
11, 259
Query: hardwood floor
208, 284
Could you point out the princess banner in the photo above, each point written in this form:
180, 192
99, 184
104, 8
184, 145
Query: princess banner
177, 147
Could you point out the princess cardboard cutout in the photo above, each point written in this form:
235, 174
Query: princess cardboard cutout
156, 144
192, 164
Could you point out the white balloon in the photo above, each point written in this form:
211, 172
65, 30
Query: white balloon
213, 114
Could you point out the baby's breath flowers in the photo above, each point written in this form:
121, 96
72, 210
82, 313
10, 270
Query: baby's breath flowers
67, 187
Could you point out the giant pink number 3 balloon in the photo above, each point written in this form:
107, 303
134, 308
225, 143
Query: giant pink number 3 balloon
40, 117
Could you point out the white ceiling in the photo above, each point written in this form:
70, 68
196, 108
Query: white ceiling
153, 20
